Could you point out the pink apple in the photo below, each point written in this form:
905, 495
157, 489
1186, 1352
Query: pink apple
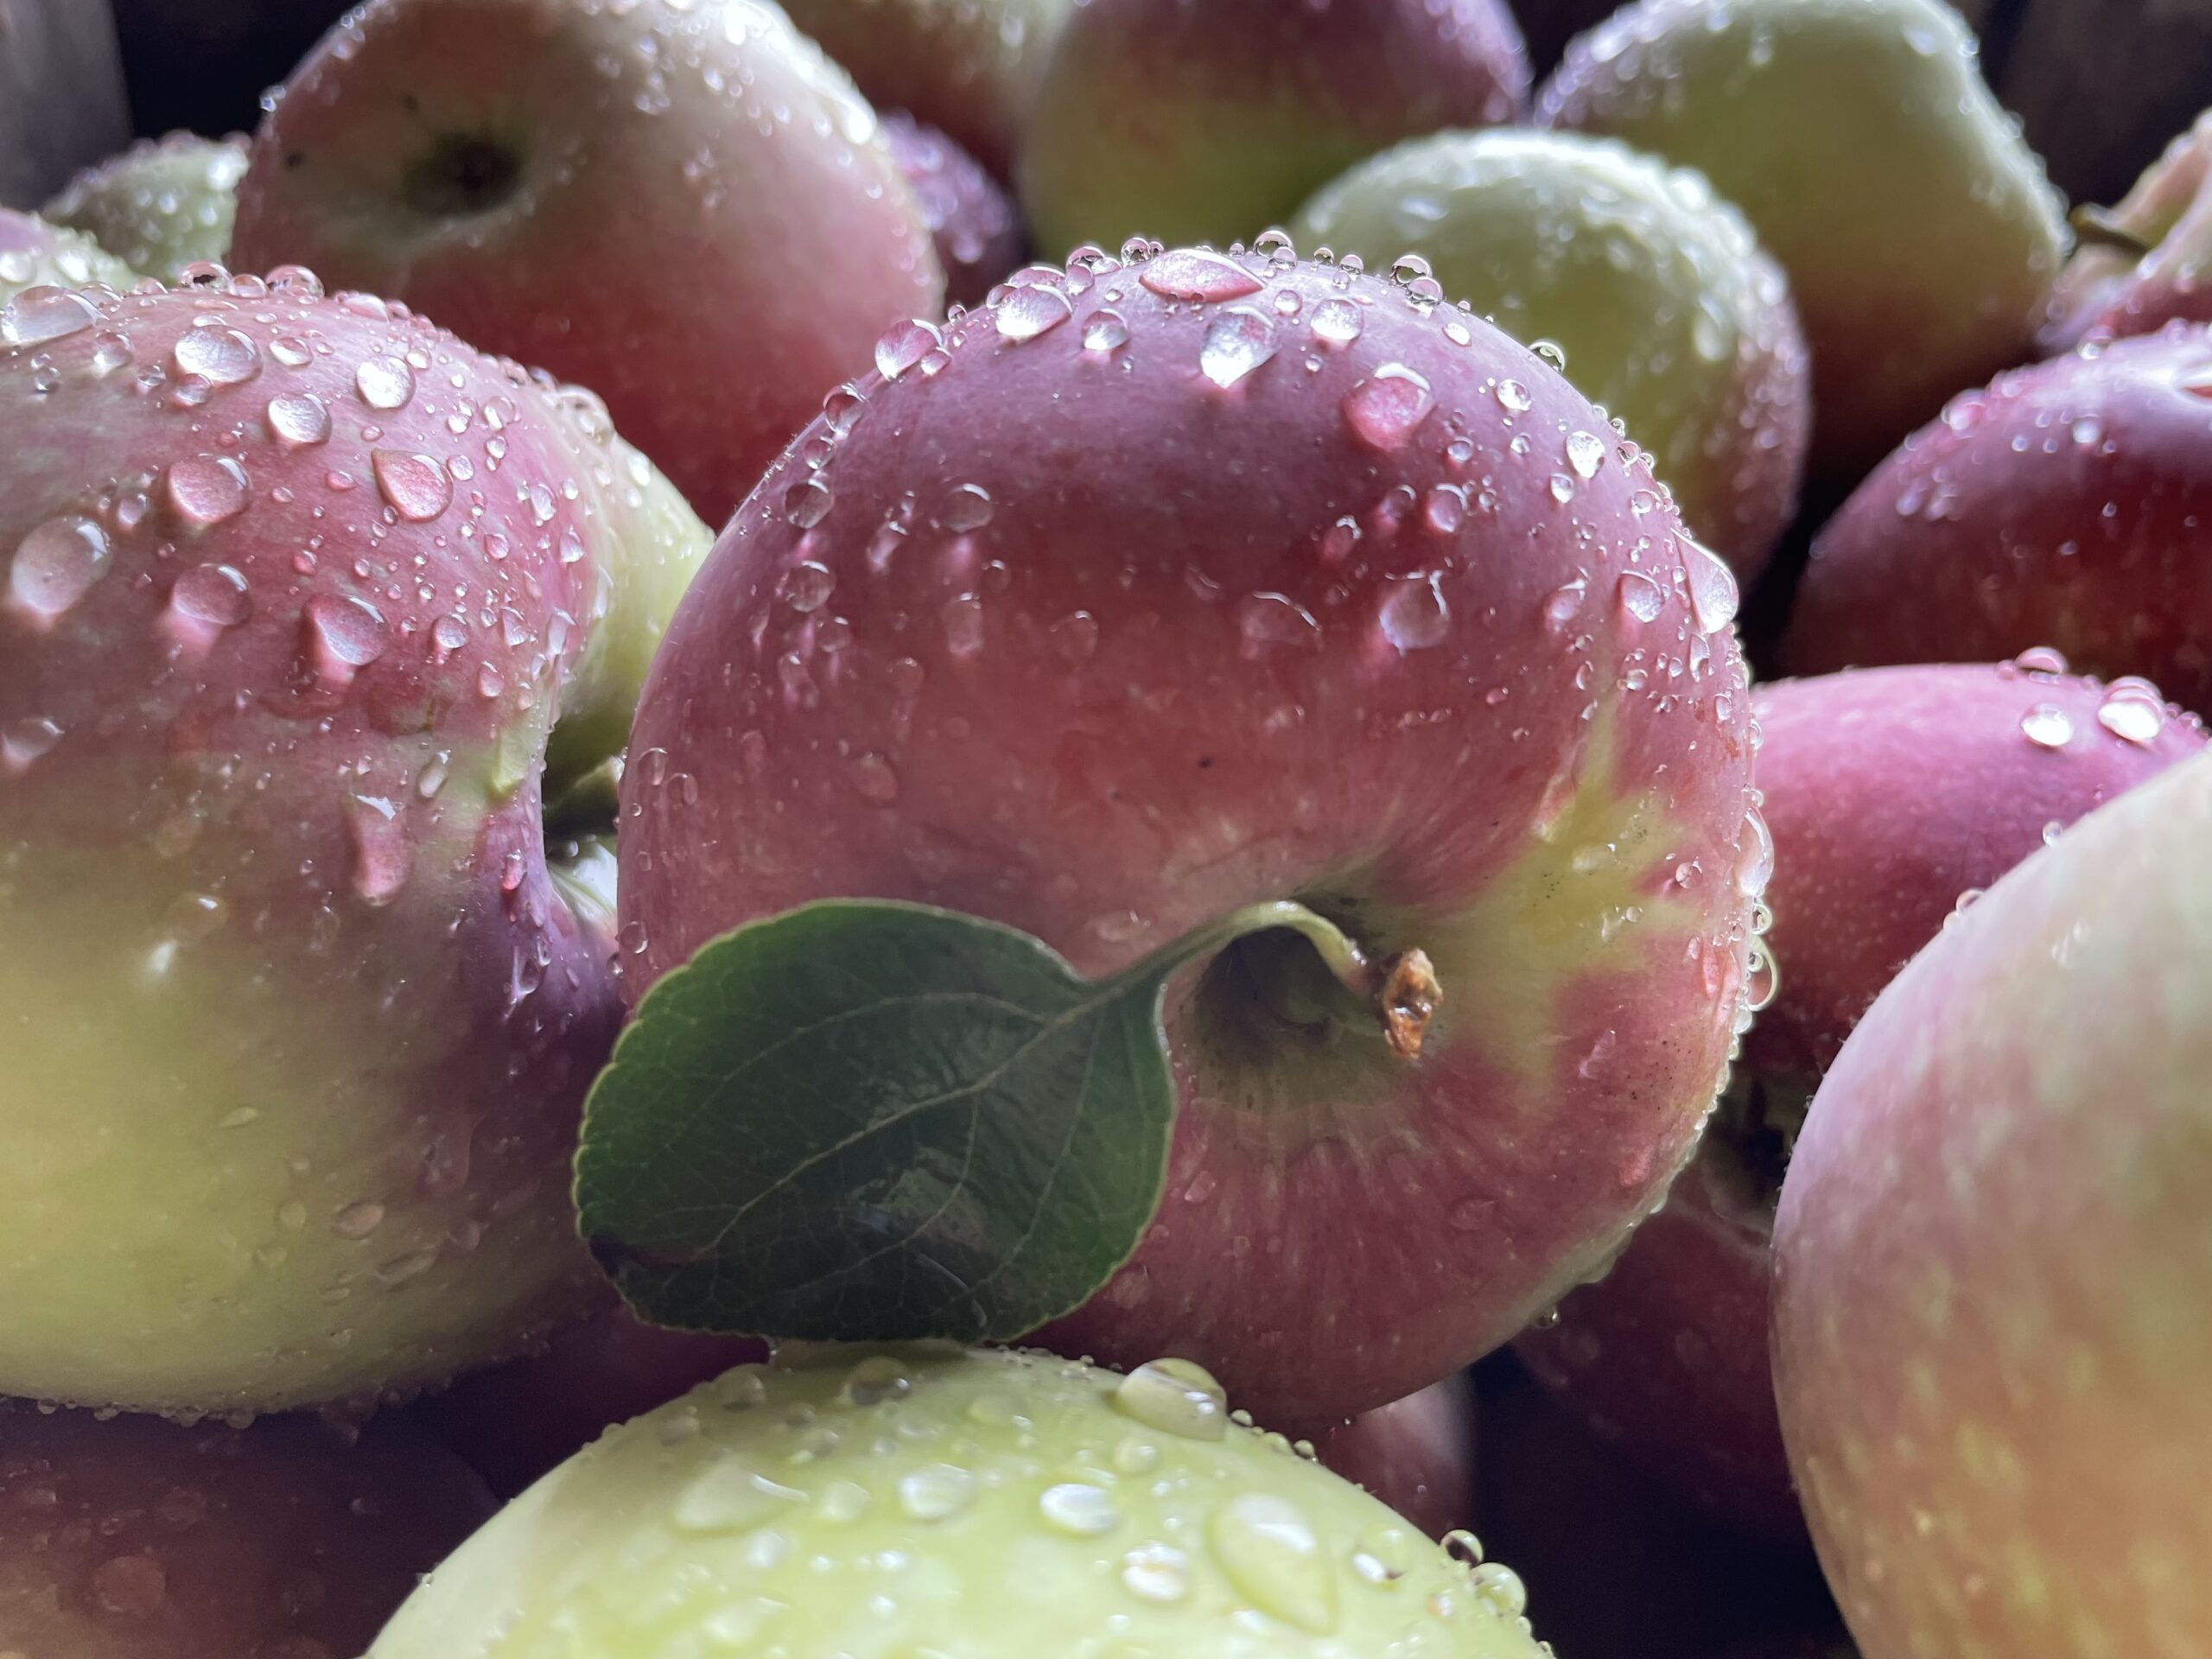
971, 220
2144, 263
682, 207
1155, 589
1892, 795
1990, 1326
2062, 507
1213, 123
160, 206
1416, 1454
299, 1018
132, 1538
35, 253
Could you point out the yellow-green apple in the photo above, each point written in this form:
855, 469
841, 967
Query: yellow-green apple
132, 1538
683, 206
1671, 317
971, 220
2062, 507
1990, 1327
1893, 795
1213, 123
921, 1501
160, 206
2148, 261
970, 68
1416, 1454
513, 1422
34, 253
1169, 587
298, 1019
1832, 123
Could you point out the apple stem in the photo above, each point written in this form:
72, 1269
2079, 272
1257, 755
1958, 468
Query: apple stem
2097, 227
1403, 989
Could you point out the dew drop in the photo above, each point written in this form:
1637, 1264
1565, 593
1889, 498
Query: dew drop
1385, 409
56, 565
726, 1497
2133, 716
22, 742
807, 503
1338, 322
1267, 621
38, 314
384, 383
1712, 585
1514, 396
962, 617
1075, 636
875, 779
214, 596
1175, 1397
1198, 274
1414, 615
1236, 342
1156, 1573
1079, 1510
206, 490
936, 1491
1586, 452
222, 357
906, 345
806, 587
2047, 727
2040, 660
969, 508
298, 421
418, 487
1268, 1550
1029, 312
344, 634
1641, 597
1105, 331
1565, 605
382, 853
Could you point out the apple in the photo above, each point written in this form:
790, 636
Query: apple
1208, 123
2059, 507
972, 222
298, 1019
970, 68
1416, 1454
1173, 586
515, 1421
160, 206
131, 1538
683, 206
1893, 795
1920, 234
996, 1505
36, 254
1990, 1332
1672, 319
2144, 262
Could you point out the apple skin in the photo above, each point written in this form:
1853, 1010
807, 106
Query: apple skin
34, 253
160, 206
1831, 124
996, 1505
1416, 1454
970, 68
136, 1539
1890, 793
299, 1024
514, 1422
1076, 640
972, 222
590, 188
1674, 321
2061, 506
2105, 293
1209, 124
1991, 1331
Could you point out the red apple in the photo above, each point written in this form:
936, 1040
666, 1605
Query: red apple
1990, 1326
2144, 263
684, 208
299, 1021
971, 220
160, 206
132, 1538
1213, 123
1168, 586
2064, 506
34, 253
1891, 794
512, 1423
1416, 1454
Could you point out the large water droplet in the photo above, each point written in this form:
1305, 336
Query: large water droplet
298, 421
936, 1491
904, 345
2047, 727
2134, 715
726, 1497
384, 383
38, 314
1236, 342
1414, 615
1586, 452
1028, 312
382, 853
1079, 1510
1105, 331
1156, 1573
344, 634
1514, 396
1385, 409
1198, 274
1176, 1397
56, 565
962, 617
213, 595
807, 503
1267, 621
1268, 1548
1641, 597
23, 741
969, 508
223, 357
807, 586
1338, 322
418, 487
1711, 585
206, 490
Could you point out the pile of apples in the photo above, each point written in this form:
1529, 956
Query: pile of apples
1309, 596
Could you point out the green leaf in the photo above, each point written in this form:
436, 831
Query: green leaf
877, 1121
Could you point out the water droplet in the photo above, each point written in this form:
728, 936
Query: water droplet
906, 345
1176, 1397
1198, 274
1156, 1573
344, 634
962, 617
24, 741
1079, 1510
1028, 312
1514, 396
1501, 1587
298, 421
807, 503
1236, 342
222, 357
1586, 452
56, 565
418, 487
1445, 509
726, 1497
358, 1220
38, 314
875, 779
807, 586
936, 1491
214, 596
1565, 605
1338, 322
130, 1586
876, 1379
1384, 409
2047, 727
1641, 597
384, 383
382, 853
2133, 716
1711, 585
1562, 488
1268, 1548
1273, 620
1105, 331
1075, 636
1414, 615
969, 508
1755, 856
206, 490
2040, 660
